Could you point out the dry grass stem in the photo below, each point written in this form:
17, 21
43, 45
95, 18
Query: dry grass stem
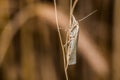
88, 48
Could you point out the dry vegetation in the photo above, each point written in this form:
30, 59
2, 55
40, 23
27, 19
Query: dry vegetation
30, 40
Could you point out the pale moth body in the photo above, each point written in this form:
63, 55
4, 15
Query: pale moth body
72, 45
73, 39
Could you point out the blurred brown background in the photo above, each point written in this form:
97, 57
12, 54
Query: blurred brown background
30, 46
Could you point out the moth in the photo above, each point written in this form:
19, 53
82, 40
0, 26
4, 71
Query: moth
73, 39
72, 42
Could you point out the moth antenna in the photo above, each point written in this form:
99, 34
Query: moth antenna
87, 16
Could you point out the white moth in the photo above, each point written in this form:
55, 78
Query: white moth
73, 39
72, 43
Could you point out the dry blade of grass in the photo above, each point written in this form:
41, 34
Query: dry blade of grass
69, 49
47, 69
27, 53
61, 42
92, 54
116, 42
9, 66
10, 30
27, 48
71, 37
47, 13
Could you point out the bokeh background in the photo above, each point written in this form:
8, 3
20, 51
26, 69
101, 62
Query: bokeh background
30, 46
